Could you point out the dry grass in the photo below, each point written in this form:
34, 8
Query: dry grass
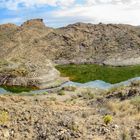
122, 109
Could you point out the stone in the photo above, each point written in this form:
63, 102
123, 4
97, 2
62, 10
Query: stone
30, 73
6, 133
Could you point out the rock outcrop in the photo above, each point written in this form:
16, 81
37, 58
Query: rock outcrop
37, 23
38, 73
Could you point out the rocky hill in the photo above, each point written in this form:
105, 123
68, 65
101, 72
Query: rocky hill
112, 44
27, 50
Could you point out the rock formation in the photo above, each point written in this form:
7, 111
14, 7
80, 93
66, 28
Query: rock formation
112, 44
38, 73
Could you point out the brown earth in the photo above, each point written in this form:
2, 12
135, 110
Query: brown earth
71, 115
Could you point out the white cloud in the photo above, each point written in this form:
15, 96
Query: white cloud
103, 11
70, 11
15, 4
113, 2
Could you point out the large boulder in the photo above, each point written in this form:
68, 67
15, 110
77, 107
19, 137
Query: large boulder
39, 73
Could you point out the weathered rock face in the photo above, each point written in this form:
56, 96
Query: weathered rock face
33, 23
39, 73
78, 43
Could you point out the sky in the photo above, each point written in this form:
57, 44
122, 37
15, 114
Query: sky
58, 13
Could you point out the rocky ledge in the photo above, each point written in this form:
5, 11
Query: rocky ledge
38, 73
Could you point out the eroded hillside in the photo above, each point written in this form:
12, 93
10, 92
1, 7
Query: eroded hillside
77, 43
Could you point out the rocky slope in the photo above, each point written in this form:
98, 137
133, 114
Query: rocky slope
72, 114
32, 45
77, 43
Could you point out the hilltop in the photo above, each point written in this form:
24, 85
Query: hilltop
113, 44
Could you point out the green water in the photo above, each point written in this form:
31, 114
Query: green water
90, 72
16, 89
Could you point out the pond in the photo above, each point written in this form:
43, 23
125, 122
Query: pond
88, 75
91, 72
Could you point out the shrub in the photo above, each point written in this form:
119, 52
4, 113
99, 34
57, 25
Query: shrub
45, 93
88, 95
61, 93
69, 88
107, 119
125, 135
52, 99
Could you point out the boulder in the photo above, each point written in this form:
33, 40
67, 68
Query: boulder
38, 74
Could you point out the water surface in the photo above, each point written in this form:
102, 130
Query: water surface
98, 84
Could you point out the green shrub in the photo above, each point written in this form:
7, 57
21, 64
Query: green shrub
61, 93
45, 93
107, 119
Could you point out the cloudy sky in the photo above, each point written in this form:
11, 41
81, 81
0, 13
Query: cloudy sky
57, 13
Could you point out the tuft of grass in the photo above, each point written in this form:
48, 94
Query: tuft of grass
52, 99
88, 95
125, 135
69, 88
45, 93
61, 93
90, 72
3, 63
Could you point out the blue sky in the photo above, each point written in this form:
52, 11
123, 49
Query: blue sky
57, 13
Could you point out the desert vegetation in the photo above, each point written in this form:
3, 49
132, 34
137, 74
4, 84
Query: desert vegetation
72, 113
